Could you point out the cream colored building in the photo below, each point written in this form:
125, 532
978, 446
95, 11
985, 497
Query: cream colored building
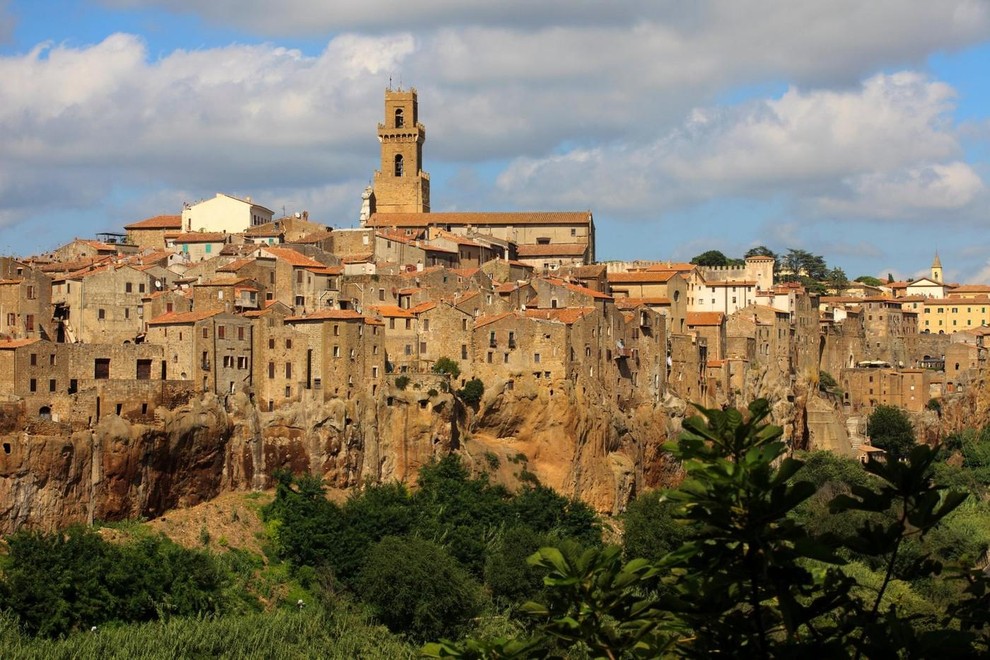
224, 214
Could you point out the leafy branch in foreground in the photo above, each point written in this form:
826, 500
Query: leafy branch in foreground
751, 581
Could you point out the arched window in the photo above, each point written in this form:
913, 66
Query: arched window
398, 165
400, 120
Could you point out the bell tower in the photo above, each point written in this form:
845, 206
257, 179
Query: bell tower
401, 185
937, 269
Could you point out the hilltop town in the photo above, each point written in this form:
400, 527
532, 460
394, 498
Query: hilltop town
485, 329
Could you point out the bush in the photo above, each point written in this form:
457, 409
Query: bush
651, 529
446, 366
826, 381
890, 429
472, 391
402, 382
67, 581
416, 588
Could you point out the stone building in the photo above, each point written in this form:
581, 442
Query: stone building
344, 353
104, 305
864, 388
401, 329
191, 247
401, 185
210, 347
25, 301
150, 233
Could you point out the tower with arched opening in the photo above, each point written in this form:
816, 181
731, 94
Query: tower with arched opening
401, 185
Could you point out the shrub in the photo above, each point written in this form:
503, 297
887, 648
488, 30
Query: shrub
826, 381
472, 391
890, 429
402, 382
447, 366
415, 587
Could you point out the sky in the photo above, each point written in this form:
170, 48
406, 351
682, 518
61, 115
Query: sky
858, 130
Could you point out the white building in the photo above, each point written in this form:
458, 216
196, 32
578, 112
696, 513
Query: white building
225, 214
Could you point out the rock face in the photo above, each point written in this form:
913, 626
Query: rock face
571, 436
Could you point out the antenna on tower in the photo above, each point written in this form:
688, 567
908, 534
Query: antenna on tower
390, 83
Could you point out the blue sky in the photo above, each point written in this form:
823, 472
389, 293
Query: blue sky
856, 130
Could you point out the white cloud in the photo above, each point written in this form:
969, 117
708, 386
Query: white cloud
884, 150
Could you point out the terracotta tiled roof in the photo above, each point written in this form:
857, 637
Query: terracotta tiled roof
392, 311
970, 288
743, 283
158, 222
236, 265
464, 272
9, 282
479, 219
641, 277
519, 264
314, 237
295, 259
552, 250
491, 318
357, 258
627, 303
184, 317
705, 318
328, 315
566, 315
198, 237
423, 307
10, 344
577, 288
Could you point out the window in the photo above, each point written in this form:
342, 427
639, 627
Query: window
536, 358
101, 314
271, 342
11, 319
505, 358
209, 248
400, 120
32, 292
464, 325
464, 353
128, 287
271, 369
51, 360
336, 351
299, 276
242, 362
408, 349
144, 369
127, 313
34, 359
426, 325
33, 385
141, 287
336, 330
288, 343
381, 294
221, 332
422, 347
101, 368
573, 231
408, 324
288, 370
206, 333
398, 165
490, 354
391, 324
52, 385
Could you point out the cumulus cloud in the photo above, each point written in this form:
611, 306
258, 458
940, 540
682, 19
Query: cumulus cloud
885, 149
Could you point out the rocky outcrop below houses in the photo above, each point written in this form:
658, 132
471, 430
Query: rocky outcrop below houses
571, 435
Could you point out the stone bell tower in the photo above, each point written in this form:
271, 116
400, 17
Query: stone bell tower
401, 185
937, 269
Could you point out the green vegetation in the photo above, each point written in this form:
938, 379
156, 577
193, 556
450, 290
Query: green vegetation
472, 391
778, 557
890, 429
826, 381
447, 366
402, 382
869, 280
758, 553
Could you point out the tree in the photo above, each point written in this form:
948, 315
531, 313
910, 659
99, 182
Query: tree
869, 280
445, 365
472, 391
837, 280
752, 580
759, 251
415, 587
711, 258
890, 429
